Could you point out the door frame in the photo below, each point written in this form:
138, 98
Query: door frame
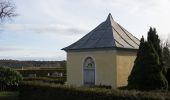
83, 69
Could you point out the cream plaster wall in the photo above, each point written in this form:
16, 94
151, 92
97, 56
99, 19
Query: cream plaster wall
125, 62
105, 61
112, 67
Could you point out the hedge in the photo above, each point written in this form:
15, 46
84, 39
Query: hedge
58, 80
42, 91
41, 72
9, 95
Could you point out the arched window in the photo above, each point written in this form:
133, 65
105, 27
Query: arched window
89, 71
89, 63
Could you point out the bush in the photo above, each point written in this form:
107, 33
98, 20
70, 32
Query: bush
9, 78
101, 86
9, 95
58, 80
41, 72
41, 91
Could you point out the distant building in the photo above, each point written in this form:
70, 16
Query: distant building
105, 56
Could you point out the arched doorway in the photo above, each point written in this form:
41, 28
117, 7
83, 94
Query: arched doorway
89, 71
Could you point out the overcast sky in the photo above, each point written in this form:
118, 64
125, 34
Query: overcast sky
43, 27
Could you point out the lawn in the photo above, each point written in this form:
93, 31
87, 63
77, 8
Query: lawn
9, 95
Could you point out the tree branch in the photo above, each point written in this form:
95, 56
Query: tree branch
7, 10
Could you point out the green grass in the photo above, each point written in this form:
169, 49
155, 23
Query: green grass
9, 95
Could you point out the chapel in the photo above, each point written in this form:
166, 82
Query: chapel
104, 56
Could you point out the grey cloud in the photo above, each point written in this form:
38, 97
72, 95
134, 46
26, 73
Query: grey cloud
55, 29
133, 5
4, 49
58, 30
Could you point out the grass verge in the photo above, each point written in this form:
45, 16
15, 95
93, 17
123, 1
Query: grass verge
9, 95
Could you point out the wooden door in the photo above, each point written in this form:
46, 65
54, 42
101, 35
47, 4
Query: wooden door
89, 72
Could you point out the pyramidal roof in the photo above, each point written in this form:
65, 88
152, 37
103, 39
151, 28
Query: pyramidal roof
109, 34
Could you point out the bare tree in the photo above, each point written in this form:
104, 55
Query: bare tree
7, 10
166, 52
166, 42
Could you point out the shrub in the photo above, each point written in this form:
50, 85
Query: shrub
101, 86
9, 78
58, 80
41, 72
44, 91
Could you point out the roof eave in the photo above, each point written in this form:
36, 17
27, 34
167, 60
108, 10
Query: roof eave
102, 48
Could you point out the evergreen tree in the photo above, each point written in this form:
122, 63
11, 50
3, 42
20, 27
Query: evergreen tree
166, 59
166, 56
147, 70
154, 39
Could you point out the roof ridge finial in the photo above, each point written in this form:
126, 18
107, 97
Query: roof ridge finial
109, 17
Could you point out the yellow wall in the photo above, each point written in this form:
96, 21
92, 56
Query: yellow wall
125, 62
105, 67
112, 67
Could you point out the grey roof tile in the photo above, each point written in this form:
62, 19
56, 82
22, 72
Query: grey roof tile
108, 34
